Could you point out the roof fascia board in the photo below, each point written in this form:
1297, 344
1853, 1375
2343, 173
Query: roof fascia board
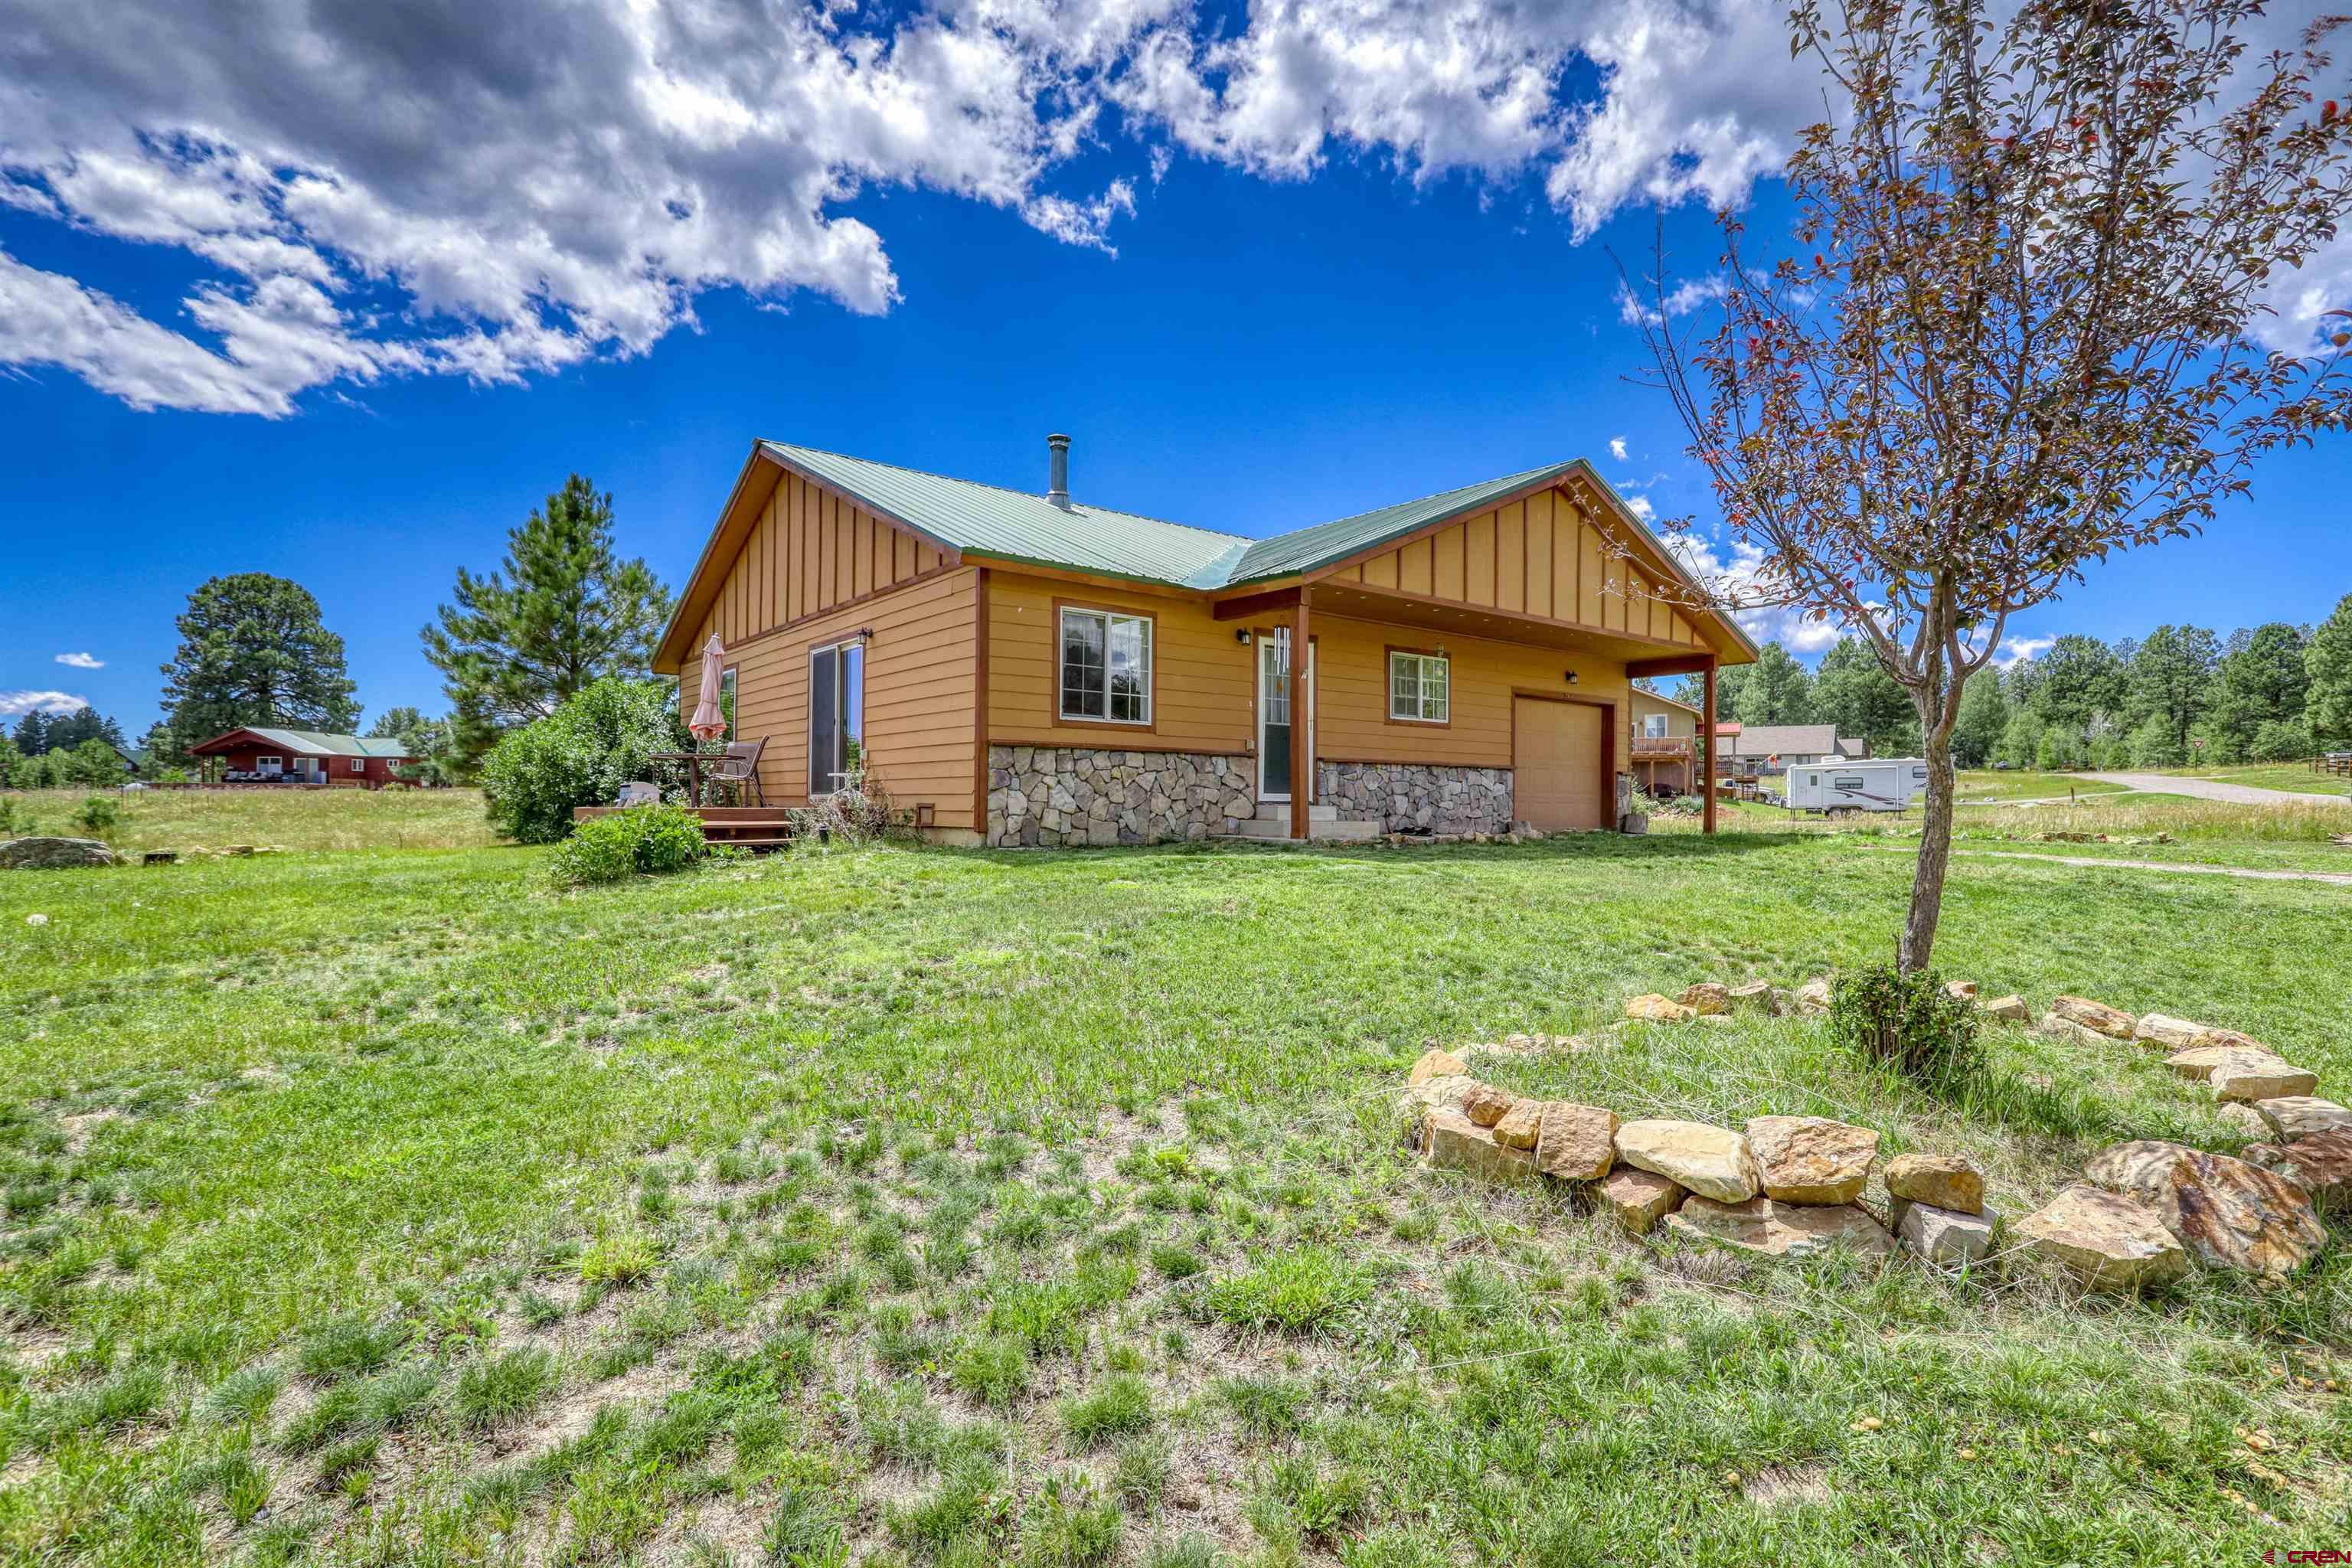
1672, 563
701, 587
1062, 572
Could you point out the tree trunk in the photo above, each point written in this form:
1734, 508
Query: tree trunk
1918, 944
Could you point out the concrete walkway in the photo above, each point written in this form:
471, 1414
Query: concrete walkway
2214, 789
2341, 878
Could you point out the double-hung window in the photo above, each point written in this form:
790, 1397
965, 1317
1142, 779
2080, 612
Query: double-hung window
1106, 666
1420, 688
1654, 726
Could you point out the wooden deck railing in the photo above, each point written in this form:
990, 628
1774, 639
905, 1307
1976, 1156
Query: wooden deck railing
1661, 748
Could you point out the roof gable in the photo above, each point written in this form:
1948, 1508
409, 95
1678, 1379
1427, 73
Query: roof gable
314, 742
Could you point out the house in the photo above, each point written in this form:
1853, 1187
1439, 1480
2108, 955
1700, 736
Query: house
1662, 749
1773, 748
1020, 669
255, 755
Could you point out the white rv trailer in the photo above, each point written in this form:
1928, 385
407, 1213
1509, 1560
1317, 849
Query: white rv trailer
1874, 784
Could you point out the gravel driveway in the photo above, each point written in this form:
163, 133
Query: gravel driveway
2214, 789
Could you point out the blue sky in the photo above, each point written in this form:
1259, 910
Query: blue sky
1267, 348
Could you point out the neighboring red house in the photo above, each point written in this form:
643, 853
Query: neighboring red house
304, 757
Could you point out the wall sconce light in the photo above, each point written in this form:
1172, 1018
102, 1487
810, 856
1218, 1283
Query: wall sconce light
1572, 677
1241, 635
866, 634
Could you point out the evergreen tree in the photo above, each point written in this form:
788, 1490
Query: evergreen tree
2170, 681
1852, 692
397, 723
1776, 690
2327, 662
254, 650
2262, 683
564, 613
32, 733
1984, 715
2077, 683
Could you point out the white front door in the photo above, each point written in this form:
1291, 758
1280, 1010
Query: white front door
1273, 713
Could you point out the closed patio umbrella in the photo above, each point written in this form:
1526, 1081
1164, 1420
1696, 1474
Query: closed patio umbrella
709, 723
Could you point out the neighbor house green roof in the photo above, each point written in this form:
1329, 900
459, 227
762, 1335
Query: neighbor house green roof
318, 743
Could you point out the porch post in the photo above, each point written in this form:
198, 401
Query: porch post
1707, 727
1302, 749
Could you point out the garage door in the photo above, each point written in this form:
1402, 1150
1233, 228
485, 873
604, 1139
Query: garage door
1556, 755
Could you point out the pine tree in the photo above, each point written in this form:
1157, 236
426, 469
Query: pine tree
1984, 717
2171, 681
2328, 661
564, 613
254, 650
32, 733
1776, 690
2261, 683
1854, 693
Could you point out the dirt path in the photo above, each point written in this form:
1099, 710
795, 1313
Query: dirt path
2214, 789
2341, 878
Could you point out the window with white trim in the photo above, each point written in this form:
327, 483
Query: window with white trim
1654, 726
1106, 666
1420, 688
359, 764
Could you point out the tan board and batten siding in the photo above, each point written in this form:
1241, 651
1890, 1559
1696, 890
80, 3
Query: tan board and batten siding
1205, 693
1535, 556
815, 570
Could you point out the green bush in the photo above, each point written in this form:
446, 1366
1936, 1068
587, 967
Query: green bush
647, 839
1909, 1023
98, 816
581, 755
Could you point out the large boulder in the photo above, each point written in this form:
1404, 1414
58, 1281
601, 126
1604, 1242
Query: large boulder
1656, 1009
1450, 1092
2199, 1061
1946, 1180
1814, 996
2257, 1076
1520, 1125
1575, 1143
2229, 1214
53, 854
1710, 1161
2096, 1016
2229, 1039
2295, 1116
1945, 1236
2009, 1009
2320, 1164
2050, 1025
2171, 1034
1811, 1159
1639, 1199
1778, 1229
1758, 994
2105, 1242
1452, 1142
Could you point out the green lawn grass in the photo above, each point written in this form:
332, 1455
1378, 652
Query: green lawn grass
928, 1206
289, 819
1988, 784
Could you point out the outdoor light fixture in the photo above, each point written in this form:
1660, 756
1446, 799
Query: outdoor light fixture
1241, 635
866, 634
1572, 677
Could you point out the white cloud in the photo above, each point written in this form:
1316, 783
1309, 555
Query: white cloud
1617, 448
2017, 651
1639, 507
1680, 301
81, 660
13, 703
503, 191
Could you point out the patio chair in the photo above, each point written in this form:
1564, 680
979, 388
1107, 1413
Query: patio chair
740, 765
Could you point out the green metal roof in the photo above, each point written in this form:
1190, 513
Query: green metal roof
1013, 525
1305, 549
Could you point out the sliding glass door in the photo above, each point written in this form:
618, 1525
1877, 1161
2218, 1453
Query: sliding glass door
836, 715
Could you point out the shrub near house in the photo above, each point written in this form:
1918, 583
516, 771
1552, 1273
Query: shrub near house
581, 755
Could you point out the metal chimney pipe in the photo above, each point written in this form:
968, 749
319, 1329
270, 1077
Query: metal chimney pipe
1059, 447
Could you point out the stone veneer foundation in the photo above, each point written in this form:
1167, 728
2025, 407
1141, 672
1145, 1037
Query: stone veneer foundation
1418, 797
1060, 796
